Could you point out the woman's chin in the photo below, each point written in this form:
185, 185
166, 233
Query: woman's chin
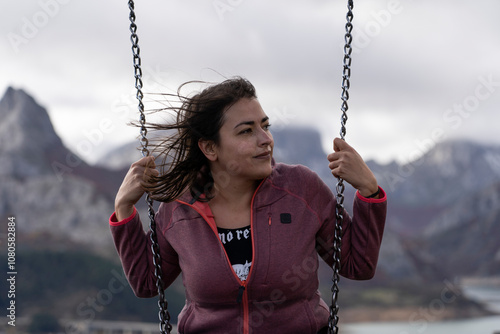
265, 172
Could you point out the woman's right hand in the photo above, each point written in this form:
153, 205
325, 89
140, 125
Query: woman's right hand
134, 185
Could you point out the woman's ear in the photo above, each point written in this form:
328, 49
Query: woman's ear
207, 147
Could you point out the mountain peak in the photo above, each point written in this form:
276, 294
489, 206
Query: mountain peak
15, 99
25, 124
8, 98
26, 135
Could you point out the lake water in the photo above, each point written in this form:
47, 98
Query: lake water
488, 296
486, 325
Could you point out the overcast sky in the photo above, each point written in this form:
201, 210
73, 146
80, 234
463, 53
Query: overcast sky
422, 71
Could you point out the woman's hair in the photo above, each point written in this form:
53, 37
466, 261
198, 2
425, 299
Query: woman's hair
181, 162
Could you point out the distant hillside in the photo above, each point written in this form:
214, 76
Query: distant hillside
82, 286
445, 209
463, 239
449, 172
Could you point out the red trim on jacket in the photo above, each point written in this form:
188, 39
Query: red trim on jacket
113, 221
382, 197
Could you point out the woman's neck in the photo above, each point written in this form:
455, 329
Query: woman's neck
231, 204
234, 194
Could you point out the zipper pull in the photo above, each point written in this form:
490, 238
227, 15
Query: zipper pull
240, 294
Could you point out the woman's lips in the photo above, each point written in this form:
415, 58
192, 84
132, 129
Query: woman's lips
265, 155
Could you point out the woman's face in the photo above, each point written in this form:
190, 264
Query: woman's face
245, 146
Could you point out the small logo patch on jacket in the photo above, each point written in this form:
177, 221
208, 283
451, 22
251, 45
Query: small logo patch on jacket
286, 218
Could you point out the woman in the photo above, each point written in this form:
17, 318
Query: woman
244, 231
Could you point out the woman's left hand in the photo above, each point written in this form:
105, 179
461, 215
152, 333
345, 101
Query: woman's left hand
347, 164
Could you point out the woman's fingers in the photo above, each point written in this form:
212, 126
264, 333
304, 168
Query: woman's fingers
340, 145
143, 169
136, 182
346, 163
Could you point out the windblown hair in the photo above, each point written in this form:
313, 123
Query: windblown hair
181, 163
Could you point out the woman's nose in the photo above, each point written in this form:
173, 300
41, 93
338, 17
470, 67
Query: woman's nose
265, 138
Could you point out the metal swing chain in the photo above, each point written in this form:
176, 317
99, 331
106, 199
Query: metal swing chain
339, 208
164, 316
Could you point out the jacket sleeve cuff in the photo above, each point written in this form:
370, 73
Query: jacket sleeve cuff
113, 221
382, 197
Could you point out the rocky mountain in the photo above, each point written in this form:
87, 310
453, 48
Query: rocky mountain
430, 185
43, 184
463, 239
444, 208
24, 131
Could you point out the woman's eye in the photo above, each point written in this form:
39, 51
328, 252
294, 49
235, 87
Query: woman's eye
246, 131
267, 126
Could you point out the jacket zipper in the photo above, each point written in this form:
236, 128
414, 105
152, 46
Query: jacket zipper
246, 324
242, 296
246, 320
241, 291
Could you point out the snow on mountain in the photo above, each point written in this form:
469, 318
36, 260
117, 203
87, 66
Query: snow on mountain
444, 173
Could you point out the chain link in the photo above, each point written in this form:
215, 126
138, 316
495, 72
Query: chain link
163, 315
339, 208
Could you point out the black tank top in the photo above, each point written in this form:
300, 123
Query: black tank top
238, 245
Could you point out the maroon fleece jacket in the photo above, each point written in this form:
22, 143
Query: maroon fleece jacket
292, 221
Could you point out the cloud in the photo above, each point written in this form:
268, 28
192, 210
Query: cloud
413, 60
